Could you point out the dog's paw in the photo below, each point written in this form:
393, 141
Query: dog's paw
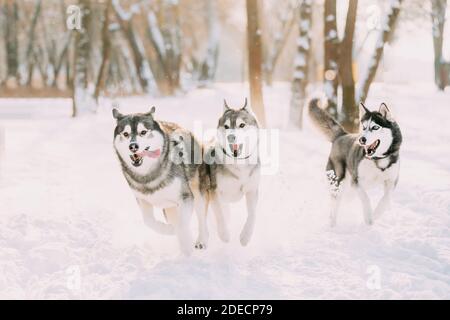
200, 246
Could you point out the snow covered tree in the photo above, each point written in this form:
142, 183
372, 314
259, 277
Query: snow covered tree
277, 34
80, 98
208, 66
331, 56
300, 78
441, 67
254, 45
10, 25
387, 29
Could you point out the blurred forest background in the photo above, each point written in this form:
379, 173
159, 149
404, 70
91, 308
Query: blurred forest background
87, 49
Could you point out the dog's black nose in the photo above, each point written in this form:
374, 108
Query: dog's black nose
362, 140
231, 138
134, 147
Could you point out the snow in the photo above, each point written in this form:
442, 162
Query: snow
70, 227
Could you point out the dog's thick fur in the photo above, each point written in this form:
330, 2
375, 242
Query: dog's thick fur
365, 159
235, 168
146, 149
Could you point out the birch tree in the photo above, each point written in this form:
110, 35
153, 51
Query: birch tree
331, 56
300, 78
387, 29
441, 68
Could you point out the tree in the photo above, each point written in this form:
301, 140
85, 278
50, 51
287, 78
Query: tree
277, 35
300, 79
350, 112
81, 60
441, 68
331, 56
254, 45
386, 32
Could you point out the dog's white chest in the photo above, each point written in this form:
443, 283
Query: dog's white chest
166, 197
231, 187
370, 173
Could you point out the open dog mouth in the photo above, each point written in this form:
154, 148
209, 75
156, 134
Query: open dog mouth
138, 157
236, 149
370, 149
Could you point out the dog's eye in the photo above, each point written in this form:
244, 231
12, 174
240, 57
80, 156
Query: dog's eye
375, 127
126, 134
143, 132
242, 125
226, 127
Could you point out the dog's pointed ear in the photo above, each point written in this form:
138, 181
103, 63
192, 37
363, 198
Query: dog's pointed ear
385, 112
225, 105
117, 115
151, 112
245, 107
362, 110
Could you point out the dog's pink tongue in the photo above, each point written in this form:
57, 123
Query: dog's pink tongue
151, 154
235, 147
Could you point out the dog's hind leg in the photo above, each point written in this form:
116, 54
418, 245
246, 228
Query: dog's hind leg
150, 220
247, 232
367, 210
182, 227
220, 211
201, 208
335, 179
385, 201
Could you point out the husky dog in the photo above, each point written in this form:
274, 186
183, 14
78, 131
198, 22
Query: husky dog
364, 159
160, 162
234, 168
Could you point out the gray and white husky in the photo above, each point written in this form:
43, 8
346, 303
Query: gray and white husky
234, 168
162, 164
366, 159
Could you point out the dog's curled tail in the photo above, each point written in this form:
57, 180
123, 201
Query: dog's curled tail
324, 121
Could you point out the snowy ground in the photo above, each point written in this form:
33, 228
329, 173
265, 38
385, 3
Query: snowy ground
70, 228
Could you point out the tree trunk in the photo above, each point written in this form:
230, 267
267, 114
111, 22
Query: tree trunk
139, 58
209, 66
81, 60
300, 80
439, 8
254, 45
31, 37
350, 111
331, 57
102, 73
385, 35
11, 38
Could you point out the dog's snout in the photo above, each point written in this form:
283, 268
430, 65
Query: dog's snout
134, 147
362, 140
231, 138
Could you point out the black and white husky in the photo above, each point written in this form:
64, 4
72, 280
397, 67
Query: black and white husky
235, 168
365, 159
162, 164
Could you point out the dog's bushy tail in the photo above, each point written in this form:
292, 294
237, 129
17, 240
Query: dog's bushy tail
324, 121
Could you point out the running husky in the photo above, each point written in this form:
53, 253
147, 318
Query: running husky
235, 168
162, 164
367, 158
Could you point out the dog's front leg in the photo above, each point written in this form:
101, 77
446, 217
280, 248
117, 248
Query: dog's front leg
201, 208
150, 220
252, 200
365, 203
385, 200
222, 227
182, 227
